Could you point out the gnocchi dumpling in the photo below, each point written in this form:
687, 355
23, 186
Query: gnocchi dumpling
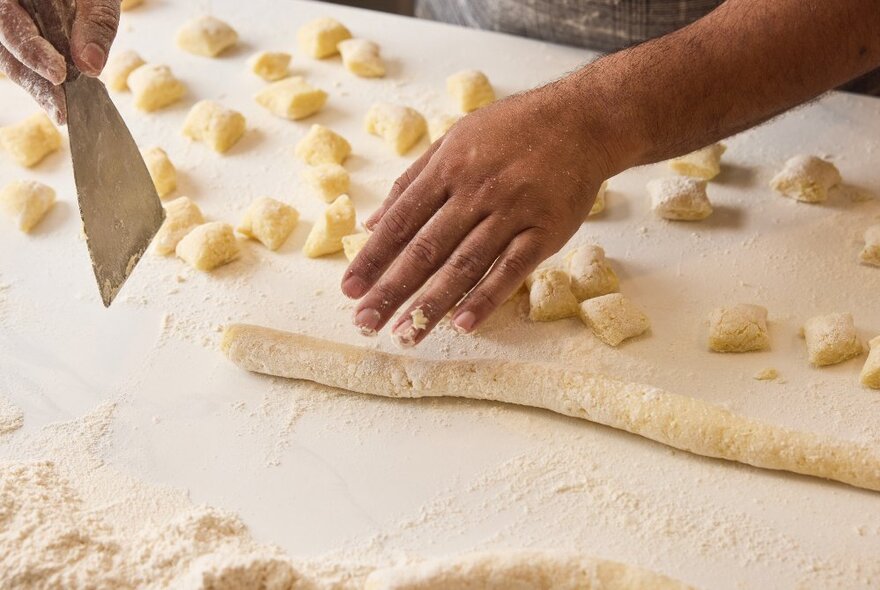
600, 202
362, 58
208, 246
162, 171
155, 87
271, 65
337, 222
401, 127
871, 252
292, 98
806, 178
471, 89
27, 202
550, 295
614, 318
680, 198
439, 126
181, 216
320, 38
353, 244
591, 274
328, 180
704, 163
831, 339
214, 125
322, 146
206, 36
119, 67
269, 221
870, 375
31, 140
741, 328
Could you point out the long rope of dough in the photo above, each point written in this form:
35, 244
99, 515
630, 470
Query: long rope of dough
681, 422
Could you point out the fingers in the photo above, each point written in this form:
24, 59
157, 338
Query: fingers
21, 38
94, 28
401, 184
49, 96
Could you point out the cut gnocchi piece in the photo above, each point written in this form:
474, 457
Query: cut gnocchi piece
362, 58
614, 318
27, 202
870, 376
208, 246
129, 4
831, 339
337, 222
271, 65
471, 90
550, 295
353, 244
322, 146
119, 67
162, 171
292, 98
214, 125
320, 38
401, 127
806, 179
328, 180
871, 252
181, 216
154, 87
31, 140
680, 198
599, 204
207, 36
741, 328
269, 221
439, 126
704, 163
591, 274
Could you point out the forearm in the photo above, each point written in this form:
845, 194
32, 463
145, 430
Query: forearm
741, 65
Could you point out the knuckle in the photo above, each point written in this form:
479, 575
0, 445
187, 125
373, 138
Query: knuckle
517, 264
388, 295
423, 249
104, 15
467, 265
397, 225
483, 299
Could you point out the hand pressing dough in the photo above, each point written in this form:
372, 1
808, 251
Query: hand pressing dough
27, 202
269, 221
323, 146
591, 275
401, 127
218, 127
831, 339
31, 140
806, 179
704, 163
271, 65
871, 252
741, 328
162, 171
208, 246
614, 318
471, 89
181, 216
119, 67
362, 58
129, 4
320, 38
681, 422
680, 198
206, 36
870, 376
439, 126
599, 204
550, 295
155, 87
326, 236
292, 98
353, 244
520, 570
328, 180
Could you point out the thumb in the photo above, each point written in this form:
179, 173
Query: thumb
94, 28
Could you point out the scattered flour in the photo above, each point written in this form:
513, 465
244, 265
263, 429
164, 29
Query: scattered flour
11, 416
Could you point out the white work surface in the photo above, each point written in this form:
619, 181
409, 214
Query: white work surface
318, 471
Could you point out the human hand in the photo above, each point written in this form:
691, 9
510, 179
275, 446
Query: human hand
33, 63
503, 190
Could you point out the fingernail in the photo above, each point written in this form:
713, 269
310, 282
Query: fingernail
464, 322
94, 57
367, 320
405, 335
354, 287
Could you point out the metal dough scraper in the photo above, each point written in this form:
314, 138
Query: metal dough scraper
120, 209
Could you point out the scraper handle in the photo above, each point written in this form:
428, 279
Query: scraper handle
53, 18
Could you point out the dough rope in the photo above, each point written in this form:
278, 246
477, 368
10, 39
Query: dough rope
675, 420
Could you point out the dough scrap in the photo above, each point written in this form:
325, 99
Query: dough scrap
401, 127
208, 246
27, 202
591, 274
681, 422
328, 180
680, 198
599, 204
31, 140
181, 216
614, 318
550, 295
271, 65
206, 36
704, 163
154, 87
870, 254
870, 376
323, 146
320, 38
806, 179
353, 244
119, 67
741, 328
831, 339
440, 126
269, 221
337, 222
218, 127
768, 374
162, 171
292, 98
362, 58
129, 4
471, 89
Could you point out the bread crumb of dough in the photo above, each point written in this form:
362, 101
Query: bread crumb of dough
870, 254
768, 374
419, 320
